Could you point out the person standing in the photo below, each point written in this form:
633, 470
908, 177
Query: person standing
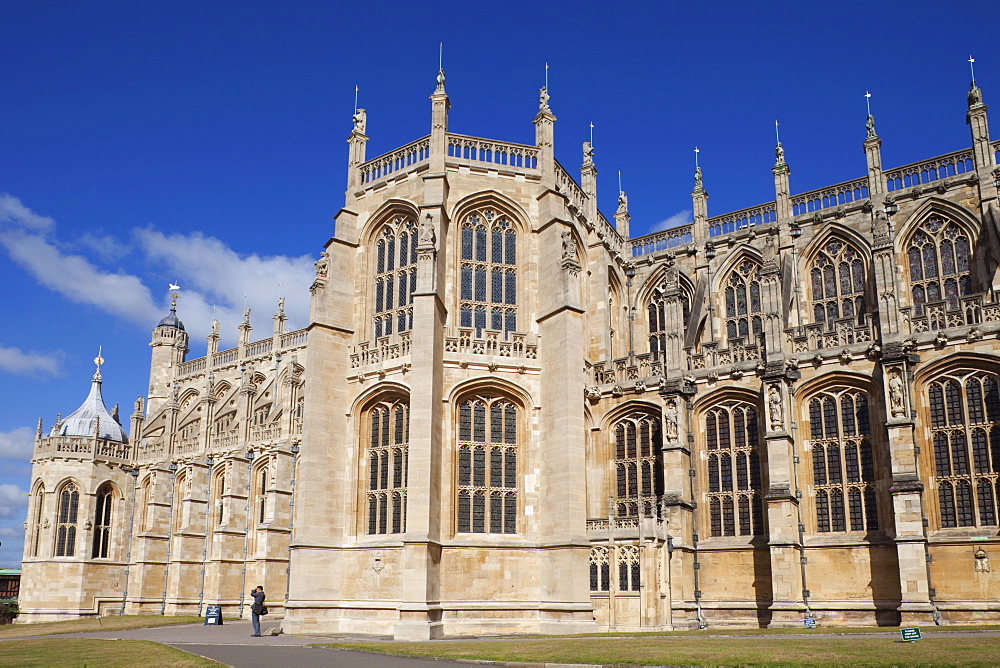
257, 609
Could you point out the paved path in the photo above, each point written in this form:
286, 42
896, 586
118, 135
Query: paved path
232, 645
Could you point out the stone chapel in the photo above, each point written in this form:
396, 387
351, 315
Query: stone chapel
507, 415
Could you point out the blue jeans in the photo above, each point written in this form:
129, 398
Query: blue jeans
255, 618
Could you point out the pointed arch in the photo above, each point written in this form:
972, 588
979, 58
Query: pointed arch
37, 515
392, 209
68, 508
836, 230
495, 199
837, 274
106, 501
937, 251
931, 205
738, 288
634, 433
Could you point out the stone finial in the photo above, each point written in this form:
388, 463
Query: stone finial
588, 153
440, 81
975, 97
622, 203
699, 184
870, 127
543, 99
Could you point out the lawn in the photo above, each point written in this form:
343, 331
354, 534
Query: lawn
687, 650
89, 652
113, 623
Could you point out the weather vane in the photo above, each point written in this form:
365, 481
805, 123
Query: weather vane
98, 361
173, 295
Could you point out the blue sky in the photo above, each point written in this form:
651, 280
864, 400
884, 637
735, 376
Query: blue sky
202, 143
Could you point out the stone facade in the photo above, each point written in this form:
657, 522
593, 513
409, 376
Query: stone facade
506, 415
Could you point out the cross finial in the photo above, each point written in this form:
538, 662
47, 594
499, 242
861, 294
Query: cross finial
776, 137
868, 102
591, 133
972, 69
696, 152
98, 361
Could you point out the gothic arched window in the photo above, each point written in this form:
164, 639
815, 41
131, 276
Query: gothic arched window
488, 270
638, 470
838, 284
965, 431
600, 569
102, 522
629, 573
732, 438
388, 456
69, 506
843, 461
658, 320
743, 309
938, 257
487, 465
395, 276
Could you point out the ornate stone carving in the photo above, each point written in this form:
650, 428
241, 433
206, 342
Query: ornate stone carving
543, 99
670, 421
323, 265
360, 121
775, 411
982, 561
427, 234
896, 398
588, 153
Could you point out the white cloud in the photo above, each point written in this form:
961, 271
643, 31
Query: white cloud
210, 273
12, 211
15, 360
684, 217
214, 278
77, 279
12, 500
17, 443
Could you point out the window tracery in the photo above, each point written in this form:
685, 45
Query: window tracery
658, 320
638, 470
629, 573
742, 294
938, 257
388, 455
965, 432
488, 272
843, 461
395, 276
69, 506
36, 538
838, 284
732, 433
600, 569
487, 465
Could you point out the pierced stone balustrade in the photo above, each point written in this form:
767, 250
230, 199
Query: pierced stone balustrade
658, 241
227, 440
626, 369
151, 451
845, 332
971, 310
265, 433
384, 349
712, 355
397, 162
491, 342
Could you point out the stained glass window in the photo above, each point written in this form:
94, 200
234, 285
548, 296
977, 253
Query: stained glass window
965, 436
938, 258
638, 465
395, 277
388, 452
657, 313
838, 284
732, 440
487, 466
742, 297
488, 274
842, 461
69, 505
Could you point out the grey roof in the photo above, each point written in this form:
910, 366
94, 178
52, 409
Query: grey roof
172, 321
91, 416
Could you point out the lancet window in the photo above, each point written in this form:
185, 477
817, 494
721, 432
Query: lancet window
838, 284
732, 435
743, 307
262, 495
658, 320
843, 461
102, 522
220, 493
488, 272
36, 536
388, 453
69, 506
938, 257
965, 431
487, 465
638, 469
395, 276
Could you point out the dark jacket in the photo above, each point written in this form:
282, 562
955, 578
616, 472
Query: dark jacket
258, 601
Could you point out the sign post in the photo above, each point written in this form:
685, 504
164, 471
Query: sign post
910, 634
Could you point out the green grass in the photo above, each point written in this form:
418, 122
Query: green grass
797, 630
113, 623
645, 650
89, 652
